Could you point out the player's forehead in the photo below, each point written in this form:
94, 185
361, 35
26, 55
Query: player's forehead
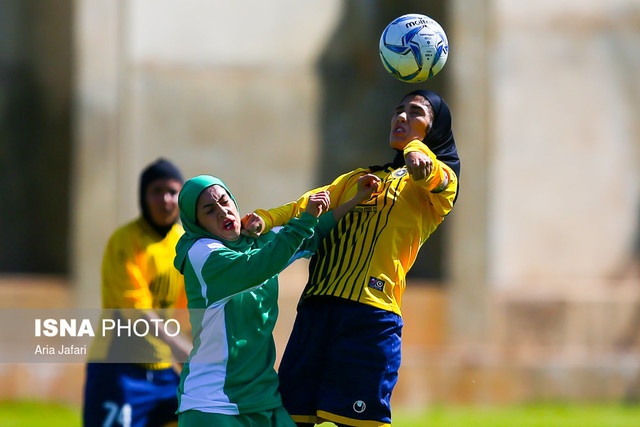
164, 184
211, 194
414, 101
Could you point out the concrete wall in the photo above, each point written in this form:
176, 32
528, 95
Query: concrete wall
35, 135
545, 235
217, 88
565, 181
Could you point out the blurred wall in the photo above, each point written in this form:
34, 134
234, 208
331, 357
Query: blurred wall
545, 233
566, 102
35, 136
221, 88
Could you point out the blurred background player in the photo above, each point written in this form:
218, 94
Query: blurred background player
232, 287
138, 276
342, 359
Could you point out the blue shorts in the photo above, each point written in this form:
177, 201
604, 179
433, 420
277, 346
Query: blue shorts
341, 363
127, 395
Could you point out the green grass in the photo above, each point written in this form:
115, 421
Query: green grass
543, 415
35, 414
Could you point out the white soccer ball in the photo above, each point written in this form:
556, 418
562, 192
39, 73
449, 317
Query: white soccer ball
413, 48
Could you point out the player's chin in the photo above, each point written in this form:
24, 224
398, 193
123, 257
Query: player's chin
397, 143
165, 220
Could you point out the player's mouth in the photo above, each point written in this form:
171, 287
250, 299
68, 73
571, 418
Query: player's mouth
228, 224
399, 130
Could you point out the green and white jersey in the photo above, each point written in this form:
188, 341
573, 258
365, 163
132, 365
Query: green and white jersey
232, 292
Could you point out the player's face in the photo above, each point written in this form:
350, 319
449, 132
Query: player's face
161, 198
410, 121
217, 213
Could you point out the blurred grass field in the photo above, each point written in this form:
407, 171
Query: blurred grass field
541, 415
36, 414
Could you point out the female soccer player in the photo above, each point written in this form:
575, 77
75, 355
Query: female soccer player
232, 291
131, 382
342, 359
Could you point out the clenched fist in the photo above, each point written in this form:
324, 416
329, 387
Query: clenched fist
419, 165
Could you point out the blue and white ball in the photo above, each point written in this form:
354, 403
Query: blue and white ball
413, 48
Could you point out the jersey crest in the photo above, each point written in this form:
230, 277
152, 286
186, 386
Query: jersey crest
399, 173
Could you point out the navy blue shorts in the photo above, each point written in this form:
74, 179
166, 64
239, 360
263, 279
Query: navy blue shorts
341, 363
127, 395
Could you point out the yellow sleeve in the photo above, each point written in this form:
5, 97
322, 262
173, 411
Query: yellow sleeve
442, 183
281, 215
123, 283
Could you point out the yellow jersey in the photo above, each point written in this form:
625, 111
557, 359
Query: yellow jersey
138, 273
367, 255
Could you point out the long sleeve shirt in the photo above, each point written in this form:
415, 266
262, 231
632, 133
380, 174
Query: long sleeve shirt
367, 255
232, 292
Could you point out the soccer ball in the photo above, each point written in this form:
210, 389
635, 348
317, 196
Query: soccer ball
413, 48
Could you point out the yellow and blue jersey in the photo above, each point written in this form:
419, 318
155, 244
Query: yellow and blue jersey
367, 255
138, 273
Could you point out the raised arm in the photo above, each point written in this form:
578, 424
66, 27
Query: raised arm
263, 220
224, 272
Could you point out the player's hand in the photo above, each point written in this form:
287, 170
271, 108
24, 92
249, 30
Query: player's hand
419, 165
367, 185
252, 225
318, 203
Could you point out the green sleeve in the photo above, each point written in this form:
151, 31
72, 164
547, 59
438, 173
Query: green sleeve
227, 272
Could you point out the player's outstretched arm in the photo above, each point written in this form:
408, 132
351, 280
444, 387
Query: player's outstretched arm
281, 215
253, 224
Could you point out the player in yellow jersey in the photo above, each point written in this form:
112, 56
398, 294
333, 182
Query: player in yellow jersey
130, 380
342, 359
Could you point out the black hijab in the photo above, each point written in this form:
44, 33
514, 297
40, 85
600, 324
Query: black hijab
439, 138
161, 168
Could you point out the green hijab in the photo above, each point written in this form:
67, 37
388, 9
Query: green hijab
187, 202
